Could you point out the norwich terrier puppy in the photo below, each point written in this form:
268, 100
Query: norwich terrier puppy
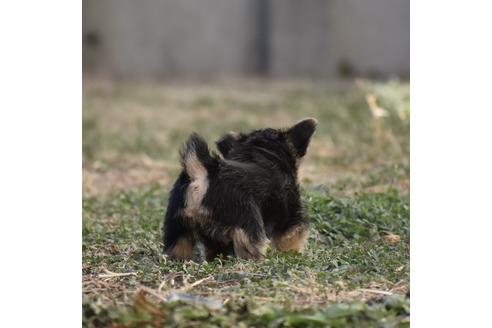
233, 204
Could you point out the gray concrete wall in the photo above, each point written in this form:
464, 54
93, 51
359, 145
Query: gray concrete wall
302, 41
373, 36
205, 38
317, 38
168, 38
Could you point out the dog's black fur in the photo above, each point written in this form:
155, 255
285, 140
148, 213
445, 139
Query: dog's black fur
233, 204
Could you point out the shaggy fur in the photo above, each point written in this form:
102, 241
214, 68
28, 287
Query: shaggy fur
233, 205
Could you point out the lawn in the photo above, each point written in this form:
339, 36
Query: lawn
355, 179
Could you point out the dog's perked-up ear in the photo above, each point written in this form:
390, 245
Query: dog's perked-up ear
227, 142
300, 135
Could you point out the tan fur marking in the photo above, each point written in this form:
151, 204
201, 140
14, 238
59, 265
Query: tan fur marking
244, 248
200, 214
197, 188
183, 250
262, 247
293, 240
194, 167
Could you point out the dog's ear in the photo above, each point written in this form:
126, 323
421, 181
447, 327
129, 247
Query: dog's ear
227, 142
300, 134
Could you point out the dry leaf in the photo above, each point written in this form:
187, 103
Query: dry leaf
376, 111
392, 238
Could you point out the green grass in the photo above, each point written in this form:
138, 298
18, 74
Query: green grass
355, 182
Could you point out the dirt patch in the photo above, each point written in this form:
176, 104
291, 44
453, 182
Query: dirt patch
137, 173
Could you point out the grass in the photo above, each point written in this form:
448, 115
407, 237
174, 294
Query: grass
355, 270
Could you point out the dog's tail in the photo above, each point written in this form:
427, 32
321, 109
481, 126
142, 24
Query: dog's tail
196, 158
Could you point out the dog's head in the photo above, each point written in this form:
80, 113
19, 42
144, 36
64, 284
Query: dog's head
285, 145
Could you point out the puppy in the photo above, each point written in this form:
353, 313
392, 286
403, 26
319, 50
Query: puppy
233, 205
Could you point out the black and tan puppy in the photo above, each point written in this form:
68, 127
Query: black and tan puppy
233, 204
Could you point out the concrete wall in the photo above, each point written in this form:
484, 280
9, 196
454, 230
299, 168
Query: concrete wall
302, 41
373, 36
167, 38
317, 38
279, 38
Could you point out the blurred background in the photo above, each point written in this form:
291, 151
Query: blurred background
273, 38
156, 70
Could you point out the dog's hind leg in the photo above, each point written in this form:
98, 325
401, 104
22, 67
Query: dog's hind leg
249, 239
179, 240
182, 248
247, 247
212, 248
